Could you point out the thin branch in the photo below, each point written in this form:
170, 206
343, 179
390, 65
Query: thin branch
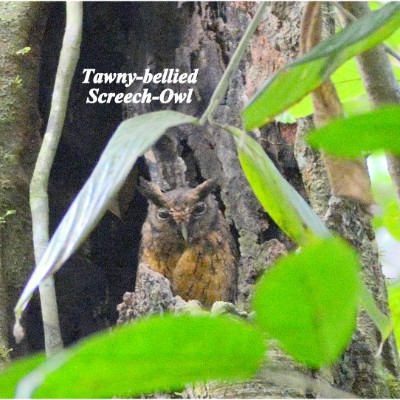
222, 86
345, 12
39, 185
390, 51
351, 17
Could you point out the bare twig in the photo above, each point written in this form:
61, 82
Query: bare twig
391, 52
39, 184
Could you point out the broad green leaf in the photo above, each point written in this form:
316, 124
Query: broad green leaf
17, 370
286, 207
349, 87
302, 76
394, 40
376, 130
302, 109
308, 301
132, 138
348, 83
156, 354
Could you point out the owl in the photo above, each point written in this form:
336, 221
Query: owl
187, 239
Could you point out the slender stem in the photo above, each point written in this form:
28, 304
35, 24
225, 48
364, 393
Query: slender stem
39, 184
390, 51
344, 11
233, 65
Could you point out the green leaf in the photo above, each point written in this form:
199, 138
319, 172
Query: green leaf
18, 369
286, 207
376, 130
381, 321
301, 109
299, 78
155, 354
132, 139
23, 51
391, 219
349, 87
308, 301
348, 83
285, 118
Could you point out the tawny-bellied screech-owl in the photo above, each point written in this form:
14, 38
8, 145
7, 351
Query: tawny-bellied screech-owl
186, 238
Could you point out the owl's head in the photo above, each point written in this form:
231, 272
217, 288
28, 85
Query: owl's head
187, 212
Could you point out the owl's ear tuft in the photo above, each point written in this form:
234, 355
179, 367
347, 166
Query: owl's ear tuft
205, 188
152, 192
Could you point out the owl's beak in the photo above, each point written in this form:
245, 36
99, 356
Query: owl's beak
184, 232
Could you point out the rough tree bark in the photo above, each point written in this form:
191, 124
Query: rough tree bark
21, 25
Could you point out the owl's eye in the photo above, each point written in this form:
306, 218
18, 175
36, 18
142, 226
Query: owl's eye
163, 214
200, 208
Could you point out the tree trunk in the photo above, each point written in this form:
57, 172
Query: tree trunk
21, 25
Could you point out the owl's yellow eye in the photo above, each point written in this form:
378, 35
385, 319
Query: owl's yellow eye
163, 214
200, 208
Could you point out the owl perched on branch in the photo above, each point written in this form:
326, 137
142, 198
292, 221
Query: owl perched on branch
186, 238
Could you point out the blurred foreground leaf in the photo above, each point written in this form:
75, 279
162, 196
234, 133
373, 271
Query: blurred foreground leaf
286, 207
309, 301
158, 354
17, 370
351, 137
